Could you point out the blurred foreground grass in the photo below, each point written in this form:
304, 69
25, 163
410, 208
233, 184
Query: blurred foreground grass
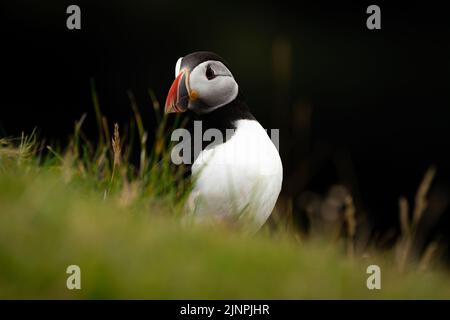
89, 206
47, 224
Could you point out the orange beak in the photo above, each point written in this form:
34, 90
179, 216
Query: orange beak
178, 96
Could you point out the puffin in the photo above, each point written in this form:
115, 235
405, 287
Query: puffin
236, 180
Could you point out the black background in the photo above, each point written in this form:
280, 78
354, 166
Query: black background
380, 99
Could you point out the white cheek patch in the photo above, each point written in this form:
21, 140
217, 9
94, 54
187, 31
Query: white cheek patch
218, 91
178, 66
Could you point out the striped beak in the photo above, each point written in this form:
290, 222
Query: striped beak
178, 96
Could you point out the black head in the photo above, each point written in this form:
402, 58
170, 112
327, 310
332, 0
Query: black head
203, 83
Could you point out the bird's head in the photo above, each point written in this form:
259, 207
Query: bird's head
203, 83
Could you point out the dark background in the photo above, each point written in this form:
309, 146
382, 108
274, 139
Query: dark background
367, 109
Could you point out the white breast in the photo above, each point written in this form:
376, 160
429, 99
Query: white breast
239, 180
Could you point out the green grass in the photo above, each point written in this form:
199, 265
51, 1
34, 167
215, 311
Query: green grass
123, 226
47, 224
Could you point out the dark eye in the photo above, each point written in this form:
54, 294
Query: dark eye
210, 73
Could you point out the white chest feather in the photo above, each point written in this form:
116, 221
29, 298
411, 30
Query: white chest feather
238, 180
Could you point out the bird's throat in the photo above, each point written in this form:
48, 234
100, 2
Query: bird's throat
226, 116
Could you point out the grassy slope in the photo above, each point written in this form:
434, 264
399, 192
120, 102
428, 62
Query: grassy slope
49, 220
